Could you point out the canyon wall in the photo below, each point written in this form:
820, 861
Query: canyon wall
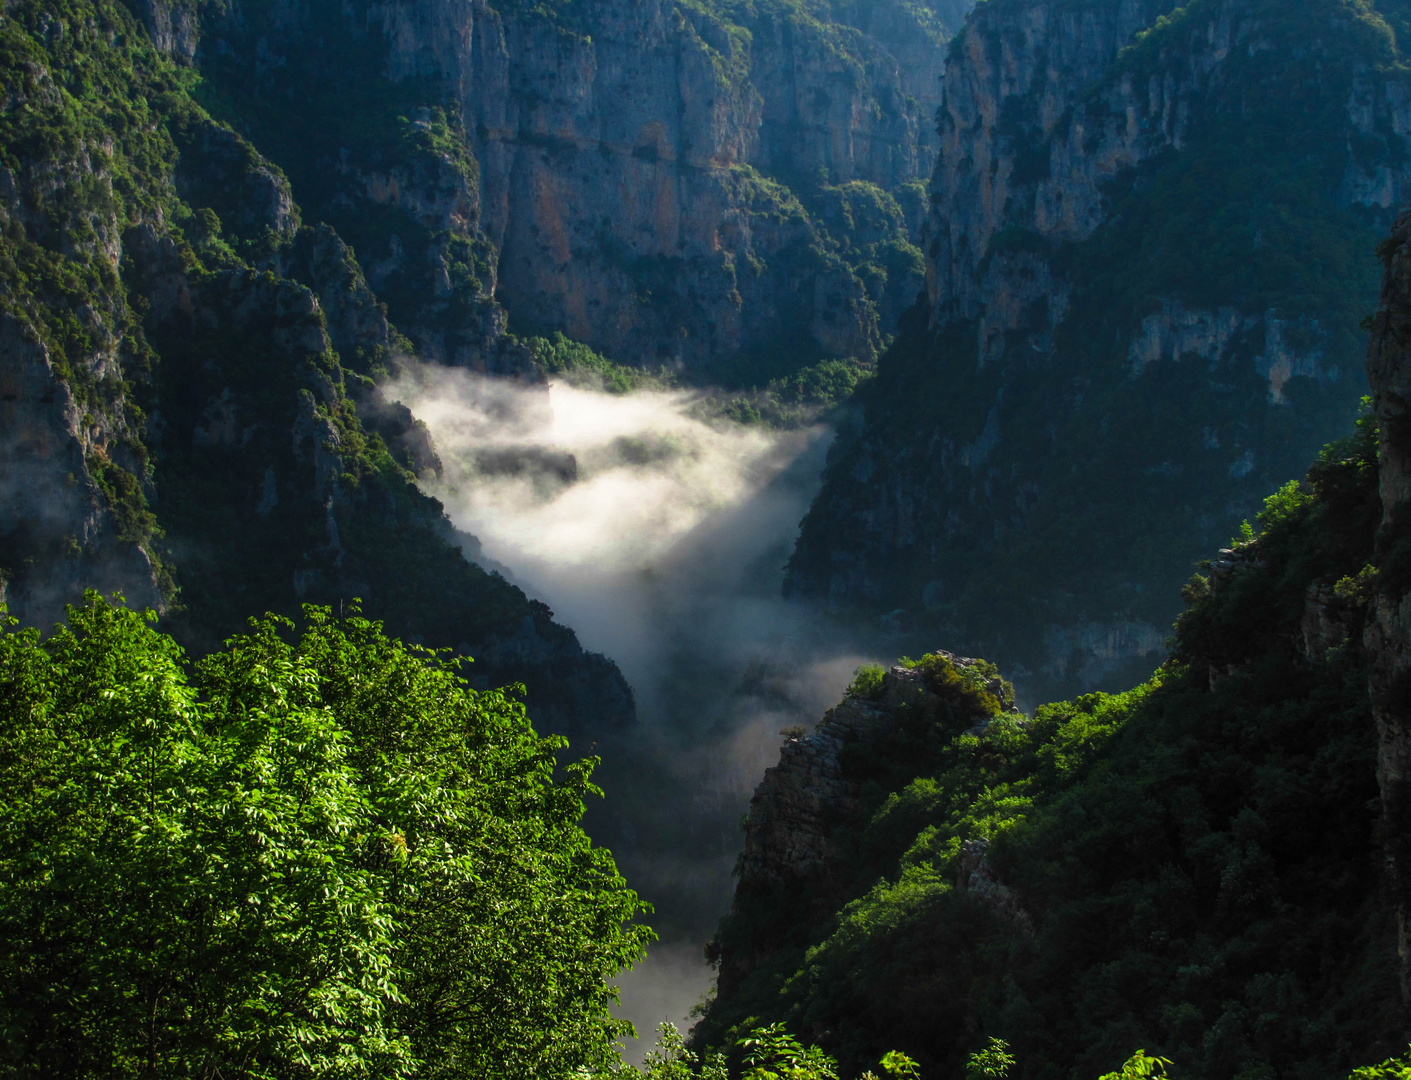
689, 186
1148, 255
1388, 633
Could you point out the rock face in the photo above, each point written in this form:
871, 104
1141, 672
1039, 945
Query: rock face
654, 179
1122, 324
74, 485
786, 834
188, 410
58, 530
1388, 633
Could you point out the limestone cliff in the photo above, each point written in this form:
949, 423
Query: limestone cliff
1144, 284
673, 184
188, 413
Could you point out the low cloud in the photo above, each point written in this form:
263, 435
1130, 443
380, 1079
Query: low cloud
660, 536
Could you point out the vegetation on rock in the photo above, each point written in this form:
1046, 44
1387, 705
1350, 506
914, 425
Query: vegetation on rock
1189, 866
1160, 322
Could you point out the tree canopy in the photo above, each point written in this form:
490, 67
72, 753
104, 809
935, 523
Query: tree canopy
313, 853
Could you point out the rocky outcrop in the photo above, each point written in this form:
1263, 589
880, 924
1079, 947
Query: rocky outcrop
1111, 334
975, 875
806, 810
60, 530
797, 802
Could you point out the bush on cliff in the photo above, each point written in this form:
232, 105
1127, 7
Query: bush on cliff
319, 854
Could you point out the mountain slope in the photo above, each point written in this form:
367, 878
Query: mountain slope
1194, 866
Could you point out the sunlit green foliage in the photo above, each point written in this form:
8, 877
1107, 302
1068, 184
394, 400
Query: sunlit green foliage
992, 1062
1397, 1068
315, 854
579, 365
867, 681
1139, 1066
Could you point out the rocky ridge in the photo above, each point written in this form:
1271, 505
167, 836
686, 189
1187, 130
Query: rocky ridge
798, 830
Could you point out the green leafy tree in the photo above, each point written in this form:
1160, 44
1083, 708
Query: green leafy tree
671, 1060
773, 1054
990, 1063
898, 1064
317, 856
1397, 1068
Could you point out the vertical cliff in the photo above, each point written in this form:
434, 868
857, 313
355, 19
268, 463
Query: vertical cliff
1148, 255
1388, 634
699, 185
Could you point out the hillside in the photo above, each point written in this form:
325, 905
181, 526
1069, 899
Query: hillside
187, 382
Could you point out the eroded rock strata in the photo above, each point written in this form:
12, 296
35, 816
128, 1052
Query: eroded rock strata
679, 184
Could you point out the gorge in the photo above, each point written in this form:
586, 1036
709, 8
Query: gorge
682, 361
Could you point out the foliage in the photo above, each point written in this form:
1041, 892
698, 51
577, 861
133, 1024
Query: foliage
670, 1059
895, 1063
867, 681
1138, 1067
581, 366
1397, 1068
771, 1053
993, 1062
324, 856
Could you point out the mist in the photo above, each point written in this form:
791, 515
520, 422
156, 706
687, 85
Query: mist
660, 536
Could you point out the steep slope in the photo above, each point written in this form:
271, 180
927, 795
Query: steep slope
731, 186
188, 413
1192, 866
1147, 263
